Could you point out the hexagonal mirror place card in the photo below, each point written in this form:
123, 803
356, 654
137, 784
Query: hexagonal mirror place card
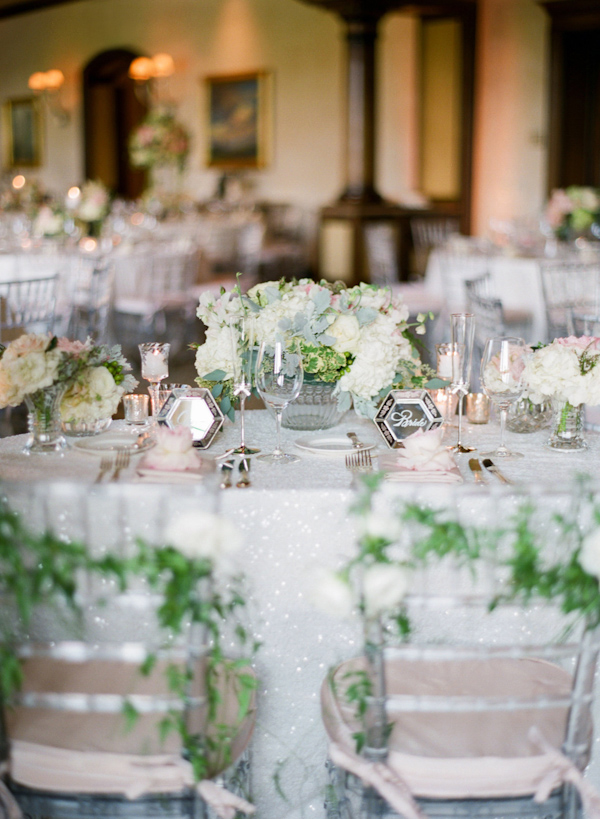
404, 412
195, 408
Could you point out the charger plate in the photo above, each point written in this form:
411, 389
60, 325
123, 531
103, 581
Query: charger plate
331, 445
113, 442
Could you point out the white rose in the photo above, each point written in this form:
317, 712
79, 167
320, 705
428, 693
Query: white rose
200, 535
346, 330
589, 556
332, 595
384, 587
101, 383
379, 525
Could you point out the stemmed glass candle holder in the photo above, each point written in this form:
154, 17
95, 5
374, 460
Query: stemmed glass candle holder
279, 376
462, 333
155, 368
445, 399
242, 341
502, 368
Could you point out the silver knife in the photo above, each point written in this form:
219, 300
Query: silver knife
491, 467
475, 467
356, 444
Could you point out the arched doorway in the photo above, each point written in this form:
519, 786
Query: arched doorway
111, 110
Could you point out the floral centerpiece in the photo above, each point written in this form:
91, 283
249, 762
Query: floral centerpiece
355, 340
93, 206
574, 211
159, 140
49, 221
93, 397
566, 372
38, 369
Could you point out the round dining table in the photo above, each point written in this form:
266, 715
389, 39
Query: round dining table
295, 519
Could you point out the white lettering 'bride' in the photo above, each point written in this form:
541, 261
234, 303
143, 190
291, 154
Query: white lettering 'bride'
406, 419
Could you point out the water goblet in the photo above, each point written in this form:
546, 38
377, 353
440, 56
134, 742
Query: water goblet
242, 342
462, 333
502, 368
279, 376
155, 368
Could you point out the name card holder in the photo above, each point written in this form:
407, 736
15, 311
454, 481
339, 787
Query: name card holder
404, 412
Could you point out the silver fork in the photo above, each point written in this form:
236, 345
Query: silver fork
106, 464
121, 462
359, 461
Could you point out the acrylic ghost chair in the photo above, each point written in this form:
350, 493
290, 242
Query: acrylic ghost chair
569, 287
481, 713
92, 296
429, 233
71, 754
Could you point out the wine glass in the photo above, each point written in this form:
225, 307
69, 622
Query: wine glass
242, 342
462, 333
155, 368
502, 368
279, 376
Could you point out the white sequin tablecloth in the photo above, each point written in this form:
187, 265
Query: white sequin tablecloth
295, 518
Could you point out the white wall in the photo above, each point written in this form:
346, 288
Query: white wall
304, 47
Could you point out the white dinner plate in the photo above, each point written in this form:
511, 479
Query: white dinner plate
113, 442
331, 445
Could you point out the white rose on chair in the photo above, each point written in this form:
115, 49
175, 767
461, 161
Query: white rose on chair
92, 397
199, 535
384, 588
589, 556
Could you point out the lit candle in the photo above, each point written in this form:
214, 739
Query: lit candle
444, 365
478, 408
155, 365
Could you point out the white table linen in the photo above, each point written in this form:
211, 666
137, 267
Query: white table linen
295, 519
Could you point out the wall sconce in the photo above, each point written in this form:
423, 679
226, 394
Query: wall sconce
48, 84
146, 70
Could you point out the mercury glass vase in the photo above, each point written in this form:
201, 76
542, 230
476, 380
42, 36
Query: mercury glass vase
315, 408
567, 427
45, 427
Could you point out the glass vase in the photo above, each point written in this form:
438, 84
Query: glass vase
567, 427
524, 416
44, 421
315, 408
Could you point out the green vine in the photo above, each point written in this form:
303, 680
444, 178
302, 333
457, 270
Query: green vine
42, 569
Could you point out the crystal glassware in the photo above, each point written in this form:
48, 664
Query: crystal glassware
155, 368
279, 376
462, 333
242, 342
502, 368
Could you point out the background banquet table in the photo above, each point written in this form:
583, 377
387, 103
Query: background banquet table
295, 519
515, 280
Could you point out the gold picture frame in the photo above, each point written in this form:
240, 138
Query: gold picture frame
238, 117
22, 120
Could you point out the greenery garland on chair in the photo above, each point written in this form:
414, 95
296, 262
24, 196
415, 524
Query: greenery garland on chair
41, 569
375, 581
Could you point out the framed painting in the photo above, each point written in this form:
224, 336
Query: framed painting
22, 132
238, 120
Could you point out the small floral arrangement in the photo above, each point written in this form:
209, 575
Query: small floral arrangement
103, 377
49, 221
566, 370
34, 362
93, 204
573, 211
159, 140
358, 338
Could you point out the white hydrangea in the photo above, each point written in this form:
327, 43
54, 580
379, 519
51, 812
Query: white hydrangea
554, 371
92, 397
266, 323
216, 353
589, 556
